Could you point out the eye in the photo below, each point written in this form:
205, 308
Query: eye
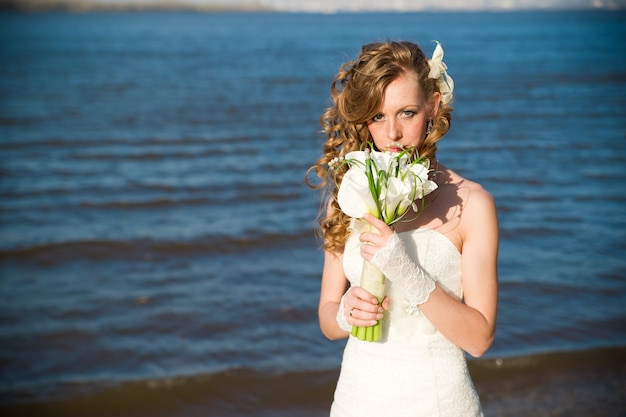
407, 114
378, 118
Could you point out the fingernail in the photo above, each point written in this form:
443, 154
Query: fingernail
373, 322
379, 316
374, 300
380, 309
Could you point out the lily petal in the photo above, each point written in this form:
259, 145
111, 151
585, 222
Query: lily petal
354, 195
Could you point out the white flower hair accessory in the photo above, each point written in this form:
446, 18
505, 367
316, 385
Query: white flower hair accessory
438, 72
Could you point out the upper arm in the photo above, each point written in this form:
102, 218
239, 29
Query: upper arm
334, 285
480, 254
333, 279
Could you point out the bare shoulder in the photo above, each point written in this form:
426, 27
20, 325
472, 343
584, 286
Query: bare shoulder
478, 204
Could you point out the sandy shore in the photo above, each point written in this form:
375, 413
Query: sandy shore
576, 384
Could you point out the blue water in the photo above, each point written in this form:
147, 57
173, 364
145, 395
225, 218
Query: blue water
154, 220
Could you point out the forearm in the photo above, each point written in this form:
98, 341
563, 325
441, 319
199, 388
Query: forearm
463, 325
327, 314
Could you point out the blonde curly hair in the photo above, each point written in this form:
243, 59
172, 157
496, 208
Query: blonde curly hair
357, 96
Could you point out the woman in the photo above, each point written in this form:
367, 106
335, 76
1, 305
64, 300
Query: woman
440, 263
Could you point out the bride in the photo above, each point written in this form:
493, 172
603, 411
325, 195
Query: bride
439, 264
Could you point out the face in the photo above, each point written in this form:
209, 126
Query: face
403, 117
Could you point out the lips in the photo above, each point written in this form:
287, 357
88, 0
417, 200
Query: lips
394, 147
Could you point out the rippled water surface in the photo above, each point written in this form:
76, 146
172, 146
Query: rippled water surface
155, 225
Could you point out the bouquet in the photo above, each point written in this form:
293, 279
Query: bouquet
385, 185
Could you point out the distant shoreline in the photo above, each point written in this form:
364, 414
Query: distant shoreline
78, 6
86, 6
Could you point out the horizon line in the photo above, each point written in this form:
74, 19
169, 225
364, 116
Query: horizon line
190, 6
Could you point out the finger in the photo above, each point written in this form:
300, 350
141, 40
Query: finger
362, 308
361, 299
363, 318
372, 239
378, 224
367, 252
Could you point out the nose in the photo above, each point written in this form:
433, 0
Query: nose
394, 131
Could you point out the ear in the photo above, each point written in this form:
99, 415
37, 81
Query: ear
436, 101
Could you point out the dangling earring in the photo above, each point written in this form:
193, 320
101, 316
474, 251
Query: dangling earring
429, 127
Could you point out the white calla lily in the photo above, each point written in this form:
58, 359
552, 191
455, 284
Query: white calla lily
384, 184
436, 63
423, 186
420, 171
383, 160
438, 72
357, 158
394, 194
354, 196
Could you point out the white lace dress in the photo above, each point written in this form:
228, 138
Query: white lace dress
414, 371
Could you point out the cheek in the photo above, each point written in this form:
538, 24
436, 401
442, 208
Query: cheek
418, 132
378, 136
372, 130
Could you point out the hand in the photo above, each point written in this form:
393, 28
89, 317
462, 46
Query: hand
361, 308
372, 241
387, 252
